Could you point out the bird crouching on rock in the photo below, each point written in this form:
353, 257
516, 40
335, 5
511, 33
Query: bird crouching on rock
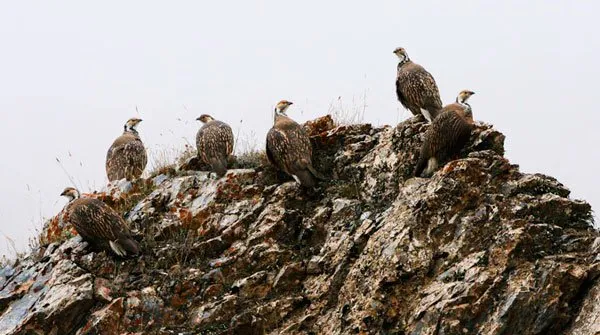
214, 142
98, 224
416, 89
447, 135
289, 148
126, 157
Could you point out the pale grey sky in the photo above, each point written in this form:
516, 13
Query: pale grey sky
71, 73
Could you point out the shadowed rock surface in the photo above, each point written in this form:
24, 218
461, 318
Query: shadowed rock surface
479, 248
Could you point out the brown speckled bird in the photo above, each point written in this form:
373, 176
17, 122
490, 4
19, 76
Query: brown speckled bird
416, 89
446, 136
289, 148
214, 142
126, 157
99, 224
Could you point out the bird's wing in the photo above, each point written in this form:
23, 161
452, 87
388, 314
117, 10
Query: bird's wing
301, 156
136, 152
277, 148
400, 83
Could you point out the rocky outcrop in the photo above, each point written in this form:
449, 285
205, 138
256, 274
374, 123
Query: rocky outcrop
479, 248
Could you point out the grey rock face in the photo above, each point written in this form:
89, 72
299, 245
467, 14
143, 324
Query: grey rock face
478, 248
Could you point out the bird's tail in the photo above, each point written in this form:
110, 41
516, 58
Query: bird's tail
426, 166
421, 163
430, 113
306, 178
315, 173
434, 112
125, 246
432, 165
219, 166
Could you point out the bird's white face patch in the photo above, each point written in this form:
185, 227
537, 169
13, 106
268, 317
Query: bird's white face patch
132, 124
281, 108
205, 118
401, 53
464, 96
70, 193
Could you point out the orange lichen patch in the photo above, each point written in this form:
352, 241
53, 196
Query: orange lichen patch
319, 126
199, 222
395, 305
450, 167
185, 216
328, 138
229, 191
177, 301
53, 232
212, 291
24, 288
183, 293
106, 320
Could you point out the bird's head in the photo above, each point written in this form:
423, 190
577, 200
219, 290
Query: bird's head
463, 96
402, 55
71, 193
131, 124
282, 106
205, 118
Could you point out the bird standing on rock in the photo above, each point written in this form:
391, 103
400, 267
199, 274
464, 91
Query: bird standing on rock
446, 136
126, 157
416, 89
289, 148
99, 224
214, 142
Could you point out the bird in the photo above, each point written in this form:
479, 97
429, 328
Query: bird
98, 224
446, 136
416, 89
126, 157
461, 102
214, 142
289, 148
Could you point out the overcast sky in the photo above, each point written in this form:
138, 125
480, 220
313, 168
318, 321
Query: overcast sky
72, 72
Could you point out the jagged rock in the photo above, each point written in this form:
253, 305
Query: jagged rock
56, 300
478, 248
144, 308
103, 290
257, 285
105, 321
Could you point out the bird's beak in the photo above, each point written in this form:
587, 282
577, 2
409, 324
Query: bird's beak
198, 119
472, 93
290, 103
63, 194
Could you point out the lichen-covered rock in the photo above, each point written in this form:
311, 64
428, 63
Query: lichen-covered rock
56, 299
105, 321
478, 248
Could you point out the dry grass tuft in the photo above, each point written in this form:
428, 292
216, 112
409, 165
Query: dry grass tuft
167, 160
250, 160
344, 115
